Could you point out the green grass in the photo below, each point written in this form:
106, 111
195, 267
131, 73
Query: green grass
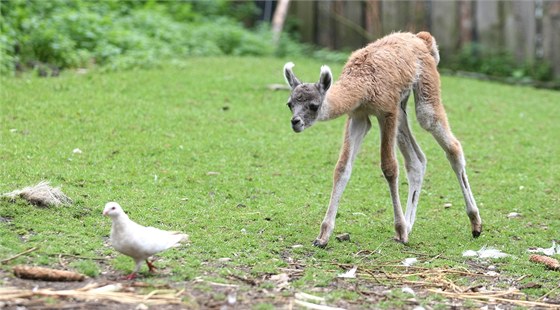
150, 138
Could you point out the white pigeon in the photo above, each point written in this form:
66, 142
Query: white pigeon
137, 241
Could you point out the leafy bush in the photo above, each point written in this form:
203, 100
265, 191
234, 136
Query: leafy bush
476, 58
117, 35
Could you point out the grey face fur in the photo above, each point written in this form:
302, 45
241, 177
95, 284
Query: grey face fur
306, 99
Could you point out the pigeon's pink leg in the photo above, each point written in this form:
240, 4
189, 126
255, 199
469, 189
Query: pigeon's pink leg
151, 266
131, 276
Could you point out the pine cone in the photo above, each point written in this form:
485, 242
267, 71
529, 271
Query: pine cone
549, 262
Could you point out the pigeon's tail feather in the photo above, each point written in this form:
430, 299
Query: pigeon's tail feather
179, 238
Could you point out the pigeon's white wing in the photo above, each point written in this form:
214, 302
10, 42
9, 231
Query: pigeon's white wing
156, 240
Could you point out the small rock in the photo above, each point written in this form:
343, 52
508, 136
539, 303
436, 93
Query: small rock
513, 215
295, 246
224, 259
343, 237
212, 173
491, 273
447, 205
141, 307
77, 151
530, 285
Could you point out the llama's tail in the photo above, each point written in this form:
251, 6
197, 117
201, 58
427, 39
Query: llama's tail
431, 43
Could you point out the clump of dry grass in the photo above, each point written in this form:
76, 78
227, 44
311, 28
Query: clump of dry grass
94, 291
42, 195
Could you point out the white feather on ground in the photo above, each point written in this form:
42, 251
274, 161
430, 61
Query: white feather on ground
41, 194
137, 241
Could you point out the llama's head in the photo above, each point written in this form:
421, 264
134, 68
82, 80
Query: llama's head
306, 99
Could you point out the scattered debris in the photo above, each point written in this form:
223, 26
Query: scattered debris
41, 195
447, 205
7, 260
281, 280
530, 285
46, 274
410, 261
350, 274
212, 173
343, 237
408, 290
312, 302
94, 291
485, 252
511, 296
232, 297
224, 259
295, 246
513, 215
549, 262
491, 273
77, 151
554, 249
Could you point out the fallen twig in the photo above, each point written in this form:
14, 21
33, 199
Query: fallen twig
95, 292
77, 256
4, 261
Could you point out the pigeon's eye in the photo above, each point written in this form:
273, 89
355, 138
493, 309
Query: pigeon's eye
113, 208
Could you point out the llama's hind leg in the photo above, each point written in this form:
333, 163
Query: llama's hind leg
415, 163
389, 166
432, 117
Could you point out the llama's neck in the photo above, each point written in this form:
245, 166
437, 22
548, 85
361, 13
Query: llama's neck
338, 101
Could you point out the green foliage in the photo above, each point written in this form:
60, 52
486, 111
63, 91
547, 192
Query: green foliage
475, 58
123, 34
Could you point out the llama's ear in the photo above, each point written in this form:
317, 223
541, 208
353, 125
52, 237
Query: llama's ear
325, 80
289, 75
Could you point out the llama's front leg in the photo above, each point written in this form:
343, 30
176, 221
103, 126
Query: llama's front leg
356, 130
390, 168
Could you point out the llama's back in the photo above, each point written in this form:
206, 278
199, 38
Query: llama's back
386, 67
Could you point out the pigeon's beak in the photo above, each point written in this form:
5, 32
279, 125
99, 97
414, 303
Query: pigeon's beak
105, 212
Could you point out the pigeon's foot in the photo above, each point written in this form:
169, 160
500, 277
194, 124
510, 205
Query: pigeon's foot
151, 266
131, 276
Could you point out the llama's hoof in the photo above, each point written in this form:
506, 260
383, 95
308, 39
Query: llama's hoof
400, 240
320, 244
476, 233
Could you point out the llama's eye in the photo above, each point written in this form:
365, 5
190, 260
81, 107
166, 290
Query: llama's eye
289, 104
314, 107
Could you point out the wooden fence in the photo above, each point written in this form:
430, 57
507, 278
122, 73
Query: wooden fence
528, 29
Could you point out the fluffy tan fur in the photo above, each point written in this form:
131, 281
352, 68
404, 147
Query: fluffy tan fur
375, 76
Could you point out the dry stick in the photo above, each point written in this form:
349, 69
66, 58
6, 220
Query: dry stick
484, 297
4, 261
552, 290
77, 256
